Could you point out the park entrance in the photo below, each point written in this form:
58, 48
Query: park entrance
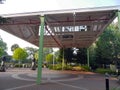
60, 28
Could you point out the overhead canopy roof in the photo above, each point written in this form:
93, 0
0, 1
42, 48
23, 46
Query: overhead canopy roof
63, 28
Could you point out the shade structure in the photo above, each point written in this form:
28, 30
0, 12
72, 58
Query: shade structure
63, 28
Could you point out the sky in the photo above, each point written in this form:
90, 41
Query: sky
21, 6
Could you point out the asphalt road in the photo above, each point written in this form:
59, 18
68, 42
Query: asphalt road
25, 79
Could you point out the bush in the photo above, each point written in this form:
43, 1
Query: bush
18, 65
56, 66
81, 68
103, 71
78, 68
86, 68
59, 67
67, 67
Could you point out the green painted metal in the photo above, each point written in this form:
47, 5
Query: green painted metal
41, 28
88, 58
119, 20
63, 61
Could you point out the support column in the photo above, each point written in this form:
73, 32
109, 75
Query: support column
53, 60
40, 58
88, 58
119, 20
63, 61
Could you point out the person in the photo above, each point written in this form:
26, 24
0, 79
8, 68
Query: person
2, 68
33, 64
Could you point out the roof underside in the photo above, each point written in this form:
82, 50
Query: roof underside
65, 29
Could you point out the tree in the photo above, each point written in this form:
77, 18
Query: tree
81, 56
60, 56
1, 52
36, 55
14, 46
3, 47
49, 58
20, 54
68, 55
31, 50
108, 45
92, 54
46, 51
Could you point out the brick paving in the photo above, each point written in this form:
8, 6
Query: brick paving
65, 80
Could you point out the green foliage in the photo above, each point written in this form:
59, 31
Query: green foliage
60, 56
36, 56
92, 54
86, 68
81, 56
49, 58
103, 71
77, 68
46, 51
3, 47
69, 67
18, 65
14, 46
32, 53
115, 88
68, 55
107, 48
1, 52
20, 54
58, 67
31, 50
81, 68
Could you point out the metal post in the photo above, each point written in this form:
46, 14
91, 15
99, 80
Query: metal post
63, 60
39, 75
53, 61
119, 20
88, 61
107, 81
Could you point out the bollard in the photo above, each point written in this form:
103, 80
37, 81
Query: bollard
107, 81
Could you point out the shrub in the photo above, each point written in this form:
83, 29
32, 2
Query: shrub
78, 68
56, 66
86, 68
59, 67
18, 65
103, 71
67, 67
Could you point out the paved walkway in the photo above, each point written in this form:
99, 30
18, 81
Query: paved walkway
25, 79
